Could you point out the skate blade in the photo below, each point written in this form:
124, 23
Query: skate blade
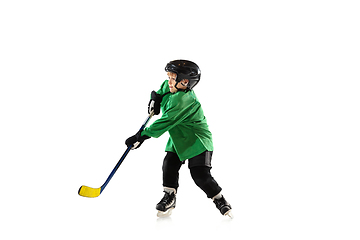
167, 213
229, 214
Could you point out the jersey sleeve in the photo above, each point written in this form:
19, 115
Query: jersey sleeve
179, 108
164, 88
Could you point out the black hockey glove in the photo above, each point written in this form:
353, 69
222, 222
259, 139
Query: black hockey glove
154, 103
136, 140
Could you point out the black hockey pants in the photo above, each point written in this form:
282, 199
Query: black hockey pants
200, 172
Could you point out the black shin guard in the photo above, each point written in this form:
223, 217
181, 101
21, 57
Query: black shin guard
203, 179
171, 167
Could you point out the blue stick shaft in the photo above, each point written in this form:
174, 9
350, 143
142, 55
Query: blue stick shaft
124, 155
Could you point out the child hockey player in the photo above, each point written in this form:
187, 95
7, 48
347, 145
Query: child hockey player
190, 138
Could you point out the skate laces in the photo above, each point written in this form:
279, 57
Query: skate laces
168, 198
220, 202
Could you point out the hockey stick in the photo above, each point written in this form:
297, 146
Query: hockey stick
89, 192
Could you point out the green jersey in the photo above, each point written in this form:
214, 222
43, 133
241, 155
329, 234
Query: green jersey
183, 117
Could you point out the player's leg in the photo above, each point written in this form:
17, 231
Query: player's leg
171, 167
200, 167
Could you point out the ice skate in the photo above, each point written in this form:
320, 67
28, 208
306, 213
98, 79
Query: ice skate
223, 206
167, 204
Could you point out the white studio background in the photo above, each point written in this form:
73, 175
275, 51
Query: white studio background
279, 87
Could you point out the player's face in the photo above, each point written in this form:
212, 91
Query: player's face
172, 83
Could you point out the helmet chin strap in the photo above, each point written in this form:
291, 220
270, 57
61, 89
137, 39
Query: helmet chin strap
179, 88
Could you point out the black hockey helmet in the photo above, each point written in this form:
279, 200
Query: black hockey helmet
185, 69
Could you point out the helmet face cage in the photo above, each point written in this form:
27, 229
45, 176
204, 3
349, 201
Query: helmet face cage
185, 69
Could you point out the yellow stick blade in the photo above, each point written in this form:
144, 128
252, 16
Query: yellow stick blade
89, 192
